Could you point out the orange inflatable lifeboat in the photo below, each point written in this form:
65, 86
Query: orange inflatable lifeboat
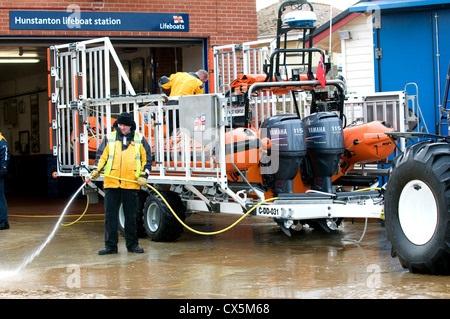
367, 143
244, 81
96, 129
241, 148
147, 123
241, 144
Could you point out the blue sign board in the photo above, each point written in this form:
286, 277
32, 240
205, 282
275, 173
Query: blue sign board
98, 21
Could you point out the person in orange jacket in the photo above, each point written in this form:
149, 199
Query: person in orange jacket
124, 154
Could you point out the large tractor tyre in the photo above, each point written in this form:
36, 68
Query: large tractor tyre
141, 233
159, 222
417, 208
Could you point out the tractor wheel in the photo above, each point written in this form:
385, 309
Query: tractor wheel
159, 222
417, 208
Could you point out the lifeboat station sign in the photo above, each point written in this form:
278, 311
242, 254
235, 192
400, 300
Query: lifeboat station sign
98, 21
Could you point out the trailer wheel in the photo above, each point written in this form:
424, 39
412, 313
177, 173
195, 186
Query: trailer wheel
417, 208
159, 222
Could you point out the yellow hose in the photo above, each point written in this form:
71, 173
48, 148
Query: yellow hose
57, 216
69, 223
170, 208
182, 223
367, 189
81, 216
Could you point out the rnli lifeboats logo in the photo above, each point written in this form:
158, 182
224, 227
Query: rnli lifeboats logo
200, 123
178, 19
177, 24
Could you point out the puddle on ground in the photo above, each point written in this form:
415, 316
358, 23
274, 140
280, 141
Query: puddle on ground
253, 260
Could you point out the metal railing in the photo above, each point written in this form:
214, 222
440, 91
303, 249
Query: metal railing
89, 89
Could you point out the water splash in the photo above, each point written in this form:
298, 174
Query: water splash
7, 274
36, 253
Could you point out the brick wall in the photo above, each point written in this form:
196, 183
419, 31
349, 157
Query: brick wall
222, 22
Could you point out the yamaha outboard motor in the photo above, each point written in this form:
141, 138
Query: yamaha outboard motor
288, 147
325, 146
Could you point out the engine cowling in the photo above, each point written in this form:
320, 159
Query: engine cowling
287, 150
325, 146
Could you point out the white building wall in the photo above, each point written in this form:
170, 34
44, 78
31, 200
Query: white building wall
357, 55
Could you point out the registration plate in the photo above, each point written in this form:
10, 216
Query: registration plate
268, 211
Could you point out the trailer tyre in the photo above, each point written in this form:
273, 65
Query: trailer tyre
417, 208
159, 222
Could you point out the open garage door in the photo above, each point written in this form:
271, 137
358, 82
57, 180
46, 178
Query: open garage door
24, 117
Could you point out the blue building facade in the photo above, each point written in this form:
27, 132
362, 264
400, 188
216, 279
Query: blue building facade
411, 45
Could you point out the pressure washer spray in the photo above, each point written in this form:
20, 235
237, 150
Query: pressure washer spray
36, 253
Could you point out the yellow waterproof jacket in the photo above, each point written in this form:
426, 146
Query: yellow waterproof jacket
183, 83
124, 161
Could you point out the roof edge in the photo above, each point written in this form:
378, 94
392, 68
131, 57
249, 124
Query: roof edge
394, 4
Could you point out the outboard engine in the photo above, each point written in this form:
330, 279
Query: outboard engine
325, 146
288, 147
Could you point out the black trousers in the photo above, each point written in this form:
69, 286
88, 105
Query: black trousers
113, 198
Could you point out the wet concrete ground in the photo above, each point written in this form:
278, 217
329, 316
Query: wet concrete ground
253, 260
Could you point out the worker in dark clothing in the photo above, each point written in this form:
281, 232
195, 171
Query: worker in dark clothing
124, 154
4, 160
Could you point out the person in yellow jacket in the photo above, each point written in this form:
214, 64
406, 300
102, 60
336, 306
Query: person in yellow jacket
124, 154
185, 83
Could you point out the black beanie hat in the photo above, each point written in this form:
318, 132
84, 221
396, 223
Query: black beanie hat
126, 119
